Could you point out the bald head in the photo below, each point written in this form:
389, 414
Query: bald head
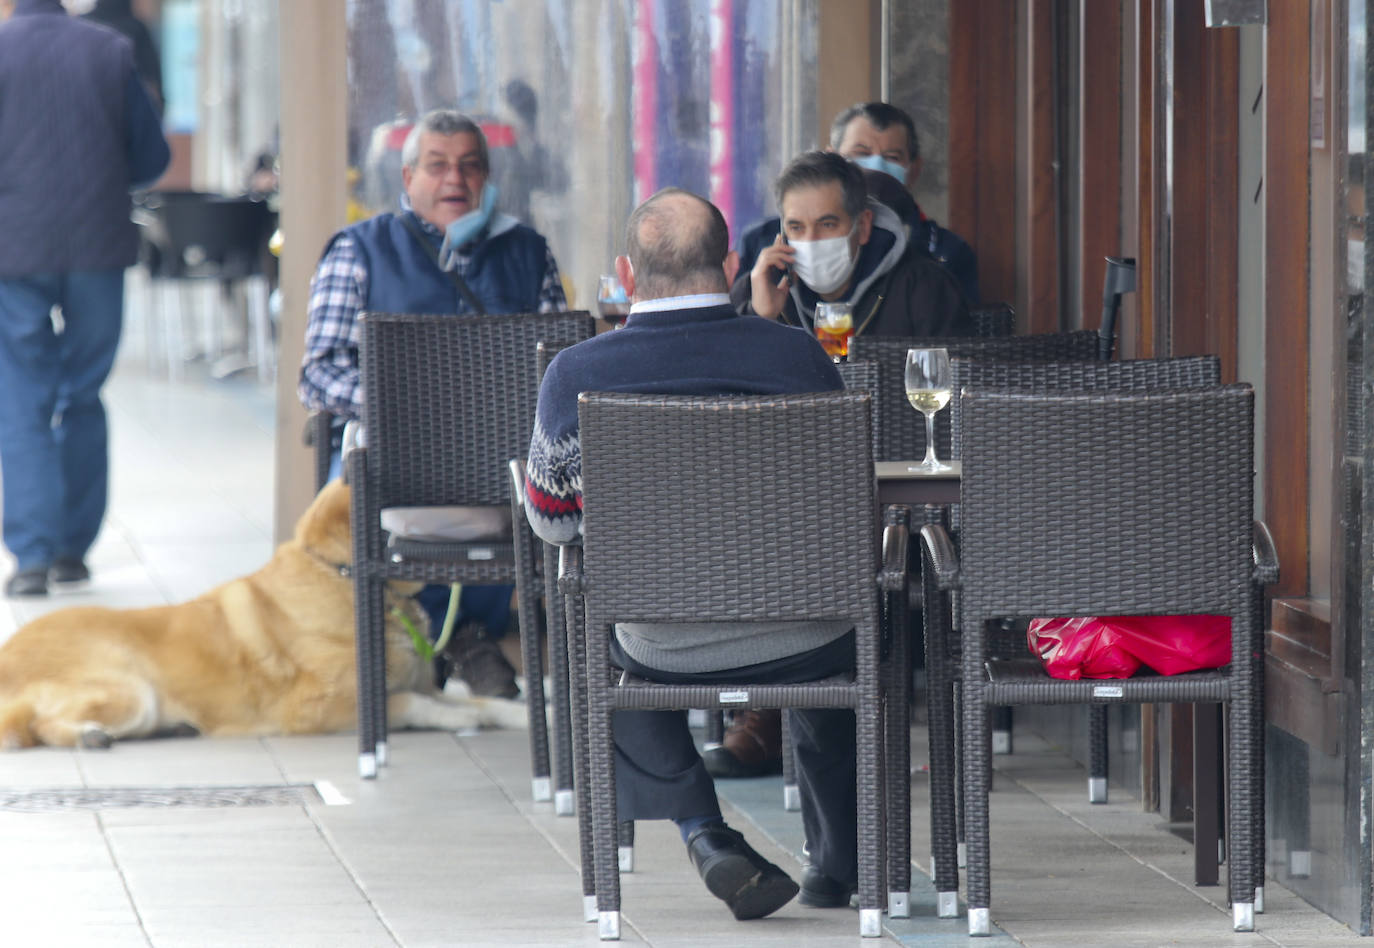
677, 244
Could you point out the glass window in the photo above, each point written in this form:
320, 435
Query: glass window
589, 105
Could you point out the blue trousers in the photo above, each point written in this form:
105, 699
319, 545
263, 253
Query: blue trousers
54, 444
487, 604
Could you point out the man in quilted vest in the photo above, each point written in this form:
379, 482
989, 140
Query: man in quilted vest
445, 250
77, 134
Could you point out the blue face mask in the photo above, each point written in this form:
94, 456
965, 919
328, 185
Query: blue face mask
465, 228
879, 163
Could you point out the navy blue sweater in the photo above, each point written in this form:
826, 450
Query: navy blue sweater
704, 351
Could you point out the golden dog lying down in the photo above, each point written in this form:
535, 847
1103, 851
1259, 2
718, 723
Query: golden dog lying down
271, 653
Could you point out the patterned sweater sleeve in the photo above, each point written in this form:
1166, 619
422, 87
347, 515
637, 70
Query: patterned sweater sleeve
553, 475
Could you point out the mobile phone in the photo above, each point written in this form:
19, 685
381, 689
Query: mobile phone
787, 268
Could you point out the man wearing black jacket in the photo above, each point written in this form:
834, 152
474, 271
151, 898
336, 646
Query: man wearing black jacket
836, 244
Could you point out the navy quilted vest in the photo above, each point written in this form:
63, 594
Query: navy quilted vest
506, 271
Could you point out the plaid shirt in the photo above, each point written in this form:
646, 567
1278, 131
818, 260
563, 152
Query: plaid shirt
329, 370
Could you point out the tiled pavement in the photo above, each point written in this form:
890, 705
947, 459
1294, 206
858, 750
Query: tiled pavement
446, 848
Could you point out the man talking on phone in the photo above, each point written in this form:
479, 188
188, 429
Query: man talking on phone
838, 245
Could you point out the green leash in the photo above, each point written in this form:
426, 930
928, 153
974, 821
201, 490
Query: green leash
423, 648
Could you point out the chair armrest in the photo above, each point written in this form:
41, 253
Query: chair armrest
896, 535
943, 558
354, 439
570, 569
1266, 557
316, 423
517, 485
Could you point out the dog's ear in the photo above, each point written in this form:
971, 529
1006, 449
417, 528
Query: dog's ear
324, 527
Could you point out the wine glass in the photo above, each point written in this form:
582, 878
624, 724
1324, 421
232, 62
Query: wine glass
612, 302
834, 327
928, 390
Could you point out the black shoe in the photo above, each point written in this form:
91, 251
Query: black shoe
27, 582
68, 570
819, 890
733, 872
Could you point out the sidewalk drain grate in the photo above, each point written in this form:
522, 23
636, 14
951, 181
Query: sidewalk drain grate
105, 798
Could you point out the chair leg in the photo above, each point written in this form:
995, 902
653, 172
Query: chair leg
896, 754
977, 768
1257, 776
532, 658
791, 792
601, 759
1001, 730
625, 845
715, 728
560, 725
367, 614
1097, 752
379, 709
867, 722
945, 829
577, 674
1205, 835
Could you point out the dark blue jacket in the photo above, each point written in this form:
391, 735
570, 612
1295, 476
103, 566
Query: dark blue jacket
77, 132
506, 271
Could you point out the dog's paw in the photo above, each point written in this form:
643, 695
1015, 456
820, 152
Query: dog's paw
503, 713
94, 737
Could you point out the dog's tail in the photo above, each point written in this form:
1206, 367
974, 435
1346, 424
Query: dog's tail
16, 724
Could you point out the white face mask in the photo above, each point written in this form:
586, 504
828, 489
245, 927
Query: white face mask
824, 265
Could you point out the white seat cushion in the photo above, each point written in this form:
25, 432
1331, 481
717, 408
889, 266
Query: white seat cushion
447, 524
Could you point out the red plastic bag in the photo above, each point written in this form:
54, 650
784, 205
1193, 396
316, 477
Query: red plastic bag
1116, 646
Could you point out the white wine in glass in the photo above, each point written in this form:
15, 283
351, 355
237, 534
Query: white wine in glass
928, 390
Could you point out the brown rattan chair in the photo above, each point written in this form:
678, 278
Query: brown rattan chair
1135, 375
993, 319
450, 401
317, 436
712, 551
1036, 538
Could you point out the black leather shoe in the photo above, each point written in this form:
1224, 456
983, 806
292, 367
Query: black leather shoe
819, 890
67, 570
733, 872
28, 582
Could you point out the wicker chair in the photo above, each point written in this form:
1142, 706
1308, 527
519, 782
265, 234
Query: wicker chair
903, 438
1130, 376
994, 319
1177, 538
450, 400
695, 462
1134, 375
316, 436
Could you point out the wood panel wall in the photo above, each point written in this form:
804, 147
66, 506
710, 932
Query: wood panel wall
1286, 252
982, 138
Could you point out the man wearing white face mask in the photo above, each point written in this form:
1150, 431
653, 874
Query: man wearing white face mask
837, 245
446, 250
882, 138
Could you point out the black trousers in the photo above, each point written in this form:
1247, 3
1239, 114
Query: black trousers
659, 774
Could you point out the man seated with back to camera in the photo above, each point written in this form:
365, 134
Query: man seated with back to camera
444, 245
882, 138
835, 243
683, 337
